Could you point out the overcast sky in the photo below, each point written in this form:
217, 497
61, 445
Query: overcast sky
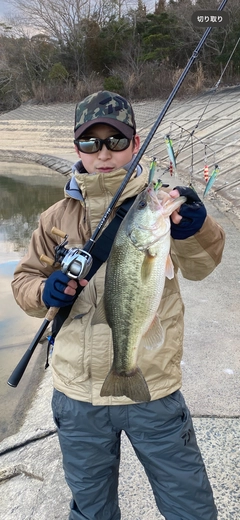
5, 6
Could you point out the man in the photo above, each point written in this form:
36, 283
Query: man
89, 425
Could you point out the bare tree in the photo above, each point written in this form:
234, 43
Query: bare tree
58, 19
61, 18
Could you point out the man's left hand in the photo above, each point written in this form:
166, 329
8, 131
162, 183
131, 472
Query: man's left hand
189, 217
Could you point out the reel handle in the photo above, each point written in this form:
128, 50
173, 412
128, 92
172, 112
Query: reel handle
47, 260
58, 232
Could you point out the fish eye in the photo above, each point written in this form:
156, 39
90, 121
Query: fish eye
142, 204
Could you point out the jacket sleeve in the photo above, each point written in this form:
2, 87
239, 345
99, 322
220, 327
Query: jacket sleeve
30, 274
198, 255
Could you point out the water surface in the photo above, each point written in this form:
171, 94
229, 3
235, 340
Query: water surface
26, 190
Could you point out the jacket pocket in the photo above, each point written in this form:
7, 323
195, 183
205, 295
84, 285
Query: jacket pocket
178, 403
58, 399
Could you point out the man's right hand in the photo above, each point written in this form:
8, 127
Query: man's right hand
60, 290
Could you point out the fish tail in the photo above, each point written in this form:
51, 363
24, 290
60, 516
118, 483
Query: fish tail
131, 384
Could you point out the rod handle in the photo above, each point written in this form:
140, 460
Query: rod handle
23, 363
20, 369
59, 233
51, 313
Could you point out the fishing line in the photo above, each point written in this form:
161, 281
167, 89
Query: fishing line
191, 164
194, 136
203, 143
206, 169
179, 141
225, 68
213, 92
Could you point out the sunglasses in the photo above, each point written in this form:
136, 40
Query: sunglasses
117, 143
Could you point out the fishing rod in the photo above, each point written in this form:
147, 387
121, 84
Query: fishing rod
82, 260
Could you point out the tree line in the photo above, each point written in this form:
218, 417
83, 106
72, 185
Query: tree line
62, 51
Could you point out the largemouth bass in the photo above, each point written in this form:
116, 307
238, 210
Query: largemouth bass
135, 276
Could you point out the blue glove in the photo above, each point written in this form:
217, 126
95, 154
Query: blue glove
193, 213
53, 295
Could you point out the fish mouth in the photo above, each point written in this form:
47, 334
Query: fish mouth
157, 199
152, 196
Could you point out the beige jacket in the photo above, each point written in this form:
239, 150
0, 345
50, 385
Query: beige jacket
83, 353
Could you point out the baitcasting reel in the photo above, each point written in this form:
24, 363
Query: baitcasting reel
75, 263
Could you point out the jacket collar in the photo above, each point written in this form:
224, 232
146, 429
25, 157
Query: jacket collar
74, 186
95, 192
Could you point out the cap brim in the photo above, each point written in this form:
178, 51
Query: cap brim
126, 130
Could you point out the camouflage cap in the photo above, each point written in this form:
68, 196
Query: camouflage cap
105, 107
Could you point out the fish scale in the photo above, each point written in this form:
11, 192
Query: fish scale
137, 299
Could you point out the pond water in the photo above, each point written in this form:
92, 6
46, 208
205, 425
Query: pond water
26, 190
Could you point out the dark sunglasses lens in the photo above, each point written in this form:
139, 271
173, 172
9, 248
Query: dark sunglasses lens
90, 146
118, 144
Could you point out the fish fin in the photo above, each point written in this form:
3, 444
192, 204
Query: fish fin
147, 264
169, 268
99, 314
132, 385
154, 336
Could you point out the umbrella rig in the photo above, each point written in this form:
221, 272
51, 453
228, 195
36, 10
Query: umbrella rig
199, 154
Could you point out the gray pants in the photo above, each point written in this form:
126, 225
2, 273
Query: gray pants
162, 435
